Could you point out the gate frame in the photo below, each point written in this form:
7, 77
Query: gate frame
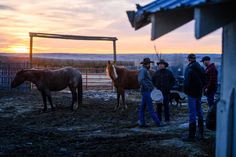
68, 37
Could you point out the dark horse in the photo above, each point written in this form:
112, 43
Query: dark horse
122, 79
52, 80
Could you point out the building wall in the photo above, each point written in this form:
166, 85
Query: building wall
226, 129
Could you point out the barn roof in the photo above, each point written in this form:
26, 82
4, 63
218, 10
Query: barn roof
159, 5
167, 15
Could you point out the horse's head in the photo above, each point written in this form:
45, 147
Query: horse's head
19, 79
111, 70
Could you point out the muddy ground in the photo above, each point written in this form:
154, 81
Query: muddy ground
93, 130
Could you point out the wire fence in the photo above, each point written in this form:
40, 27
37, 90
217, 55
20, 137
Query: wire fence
7, 74
93, 78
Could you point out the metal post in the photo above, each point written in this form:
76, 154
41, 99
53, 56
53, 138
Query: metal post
31, 52
86, 79
114, 50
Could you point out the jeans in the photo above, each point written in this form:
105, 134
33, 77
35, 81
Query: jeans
147, 101
166, 108
210, 99
195, 109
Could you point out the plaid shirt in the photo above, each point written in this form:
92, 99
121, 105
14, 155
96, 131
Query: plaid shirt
211, 78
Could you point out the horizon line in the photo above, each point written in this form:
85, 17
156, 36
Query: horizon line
107, 53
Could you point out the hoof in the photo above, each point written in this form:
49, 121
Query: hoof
74, 107
116, 107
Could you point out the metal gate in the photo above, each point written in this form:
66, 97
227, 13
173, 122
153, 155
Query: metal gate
8, 72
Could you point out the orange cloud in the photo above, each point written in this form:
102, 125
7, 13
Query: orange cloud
89, 17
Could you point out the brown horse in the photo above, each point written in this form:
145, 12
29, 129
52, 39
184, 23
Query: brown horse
52, 80
122, 79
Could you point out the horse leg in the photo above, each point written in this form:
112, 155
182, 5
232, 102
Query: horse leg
118, 101
123, 100
44, 101
177, 103
50, 101
80, 93
74, 98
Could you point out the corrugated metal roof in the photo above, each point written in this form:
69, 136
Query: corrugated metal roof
170, 4
141, 18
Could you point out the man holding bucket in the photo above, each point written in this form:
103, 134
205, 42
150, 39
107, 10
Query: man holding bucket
145, 82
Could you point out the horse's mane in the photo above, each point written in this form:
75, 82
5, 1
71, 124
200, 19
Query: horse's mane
120, 68
124, 68
37, 70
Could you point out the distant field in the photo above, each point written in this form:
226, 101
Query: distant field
93, 66
52, 62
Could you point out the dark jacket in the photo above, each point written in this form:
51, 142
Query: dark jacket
194, 78
145, 80
164, 80
211, 78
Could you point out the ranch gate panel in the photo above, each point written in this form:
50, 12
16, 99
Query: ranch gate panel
7, 74
93, 78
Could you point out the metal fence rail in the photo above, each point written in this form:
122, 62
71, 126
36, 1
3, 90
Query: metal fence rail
7, 74
93, 78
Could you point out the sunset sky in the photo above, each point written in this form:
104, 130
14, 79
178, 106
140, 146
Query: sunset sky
90, 18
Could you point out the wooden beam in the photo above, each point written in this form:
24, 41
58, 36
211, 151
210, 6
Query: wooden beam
31, 52
211, 17
166, 21
230, 138
72, 37
224, 108
114, 50
131, 17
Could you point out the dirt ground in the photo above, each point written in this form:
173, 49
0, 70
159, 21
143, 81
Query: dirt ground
93, 130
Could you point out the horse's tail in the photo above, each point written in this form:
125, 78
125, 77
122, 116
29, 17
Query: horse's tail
80, 91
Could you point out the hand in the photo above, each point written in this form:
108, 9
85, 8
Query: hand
206, 90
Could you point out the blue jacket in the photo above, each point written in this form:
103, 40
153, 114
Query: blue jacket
145, 80
194, 78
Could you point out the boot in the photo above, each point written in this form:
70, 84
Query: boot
191, 135
200, 129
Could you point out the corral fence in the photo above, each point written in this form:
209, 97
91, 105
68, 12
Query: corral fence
7, 74
93, 78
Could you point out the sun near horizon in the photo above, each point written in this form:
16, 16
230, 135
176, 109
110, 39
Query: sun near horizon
17, 49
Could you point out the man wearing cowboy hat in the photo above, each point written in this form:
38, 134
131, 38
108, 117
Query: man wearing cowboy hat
145, 82
163, 80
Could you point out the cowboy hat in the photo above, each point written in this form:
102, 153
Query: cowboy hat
205, 58
146, 61
162, 61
